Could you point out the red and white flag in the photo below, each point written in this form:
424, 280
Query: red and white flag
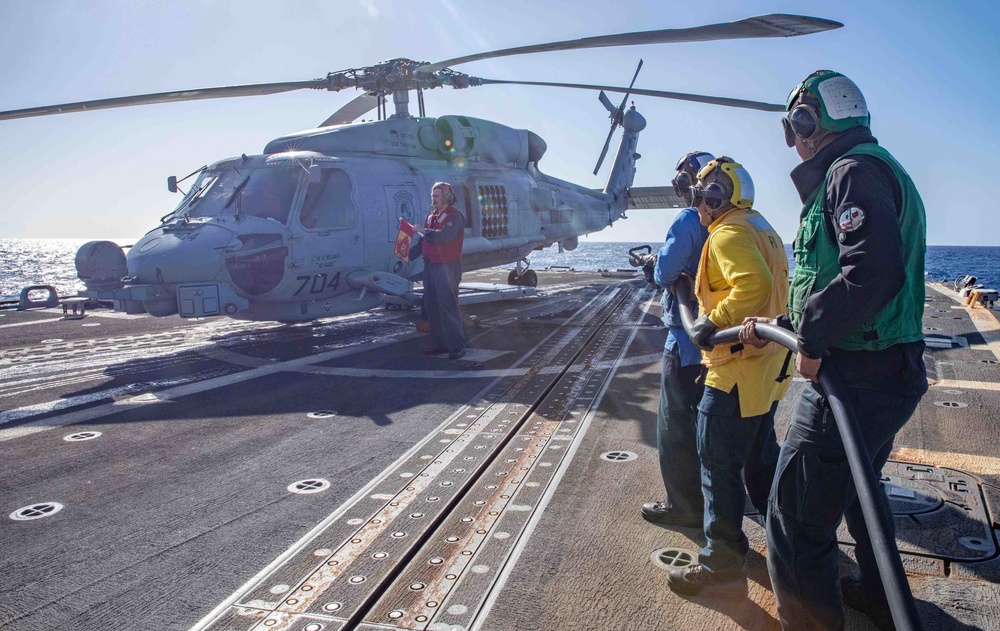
403, 240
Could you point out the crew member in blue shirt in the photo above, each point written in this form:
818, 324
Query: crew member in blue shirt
680, 386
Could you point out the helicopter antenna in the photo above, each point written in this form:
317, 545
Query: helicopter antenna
616, 116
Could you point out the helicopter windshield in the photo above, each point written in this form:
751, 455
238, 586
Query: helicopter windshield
265, 192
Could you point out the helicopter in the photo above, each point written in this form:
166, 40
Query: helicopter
307, 228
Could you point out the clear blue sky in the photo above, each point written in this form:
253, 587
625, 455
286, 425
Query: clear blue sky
929, 71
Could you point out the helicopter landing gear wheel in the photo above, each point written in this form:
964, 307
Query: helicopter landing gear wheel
522, 276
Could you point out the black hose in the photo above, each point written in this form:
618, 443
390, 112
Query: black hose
876, 513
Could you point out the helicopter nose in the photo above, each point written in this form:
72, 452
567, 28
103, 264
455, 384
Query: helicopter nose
178, 255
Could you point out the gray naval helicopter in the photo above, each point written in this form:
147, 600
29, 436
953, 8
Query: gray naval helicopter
307, 229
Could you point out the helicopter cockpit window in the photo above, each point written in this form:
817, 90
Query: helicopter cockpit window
269, 193
328, 204
209, 192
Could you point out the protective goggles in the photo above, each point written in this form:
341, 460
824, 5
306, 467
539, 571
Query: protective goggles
714, 195
682, 183
802, 122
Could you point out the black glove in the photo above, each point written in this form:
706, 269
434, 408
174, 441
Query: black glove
647, 271
701, 330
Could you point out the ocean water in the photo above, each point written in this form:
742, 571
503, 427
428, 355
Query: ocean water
26, 262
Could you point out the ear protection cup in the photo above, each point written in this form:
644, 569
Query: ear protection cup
446, 190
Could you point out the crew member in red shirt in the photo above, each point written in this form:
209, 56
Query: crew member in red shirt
443, 234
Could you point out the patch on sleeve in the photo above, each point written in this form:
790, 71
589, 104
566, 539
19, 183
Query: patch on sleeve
851, 219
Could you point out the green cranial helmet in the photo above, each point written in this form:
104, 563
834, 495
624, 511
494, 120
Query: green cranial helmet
840, 102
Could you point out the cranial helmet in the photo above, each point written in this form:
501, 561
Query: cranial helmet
687, 171
826, 101
447, 193
724, 184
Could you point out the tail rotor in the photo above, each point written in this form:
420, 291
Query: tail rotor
616, 116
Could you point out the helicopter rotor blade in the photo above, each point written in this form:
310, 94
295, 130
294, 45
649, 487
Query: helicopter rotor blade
772, 25
604, 151
621, 108
603, 98
168, 97
680, 96
352, 111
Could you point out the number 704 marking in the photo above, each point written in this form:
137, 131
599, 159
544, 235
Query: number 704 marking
317, 283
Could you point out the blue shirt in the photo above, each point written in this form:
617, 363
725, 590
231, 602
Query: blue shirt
680, 253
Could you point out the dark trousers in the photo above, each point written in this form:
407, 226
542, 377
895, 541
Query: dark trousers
731, 448
677, 433
441, 304
813, 488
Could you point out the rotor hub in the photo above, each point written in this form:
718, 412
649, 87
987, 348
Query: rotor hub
395, 75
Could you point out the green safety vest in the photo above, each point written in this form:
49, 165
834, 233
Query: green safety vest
817, 263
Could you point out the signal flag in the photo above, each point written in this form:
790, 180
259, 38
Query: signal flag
403, 240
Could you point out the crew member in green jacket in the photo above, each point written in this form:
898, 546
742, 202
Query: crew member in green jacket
856, 303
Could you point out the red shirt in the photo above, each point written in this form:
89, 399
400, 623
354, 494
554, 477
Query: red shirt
444, 223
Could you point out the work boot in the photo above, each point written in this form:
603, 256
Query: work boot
856, 597
661, 514
695, 580
457, 354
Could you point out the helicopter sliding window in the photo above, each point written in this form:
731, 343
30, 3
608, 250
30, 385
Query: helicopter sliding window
269, 193
329, 204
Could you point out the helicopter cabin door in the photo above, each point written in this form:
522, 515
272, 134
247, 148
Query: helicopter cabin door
329, 242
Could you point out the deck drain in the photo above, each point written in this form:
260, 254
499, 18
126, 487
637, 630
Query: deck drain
36, 511
81, 436
54, 340
308, 486
619, 456
322, 414
673, 558
989, 361
950, 404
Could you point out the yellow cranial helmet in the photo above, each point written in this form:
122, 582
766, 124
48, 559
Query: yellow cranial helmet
723, 183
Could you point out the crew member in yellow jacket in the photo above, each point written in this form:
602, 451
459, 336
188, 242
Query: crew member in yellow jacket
743, 272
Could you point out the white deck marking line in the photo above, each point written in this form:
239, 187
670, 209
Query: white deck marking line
959, 384
347, 505
550, 492
7, 326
